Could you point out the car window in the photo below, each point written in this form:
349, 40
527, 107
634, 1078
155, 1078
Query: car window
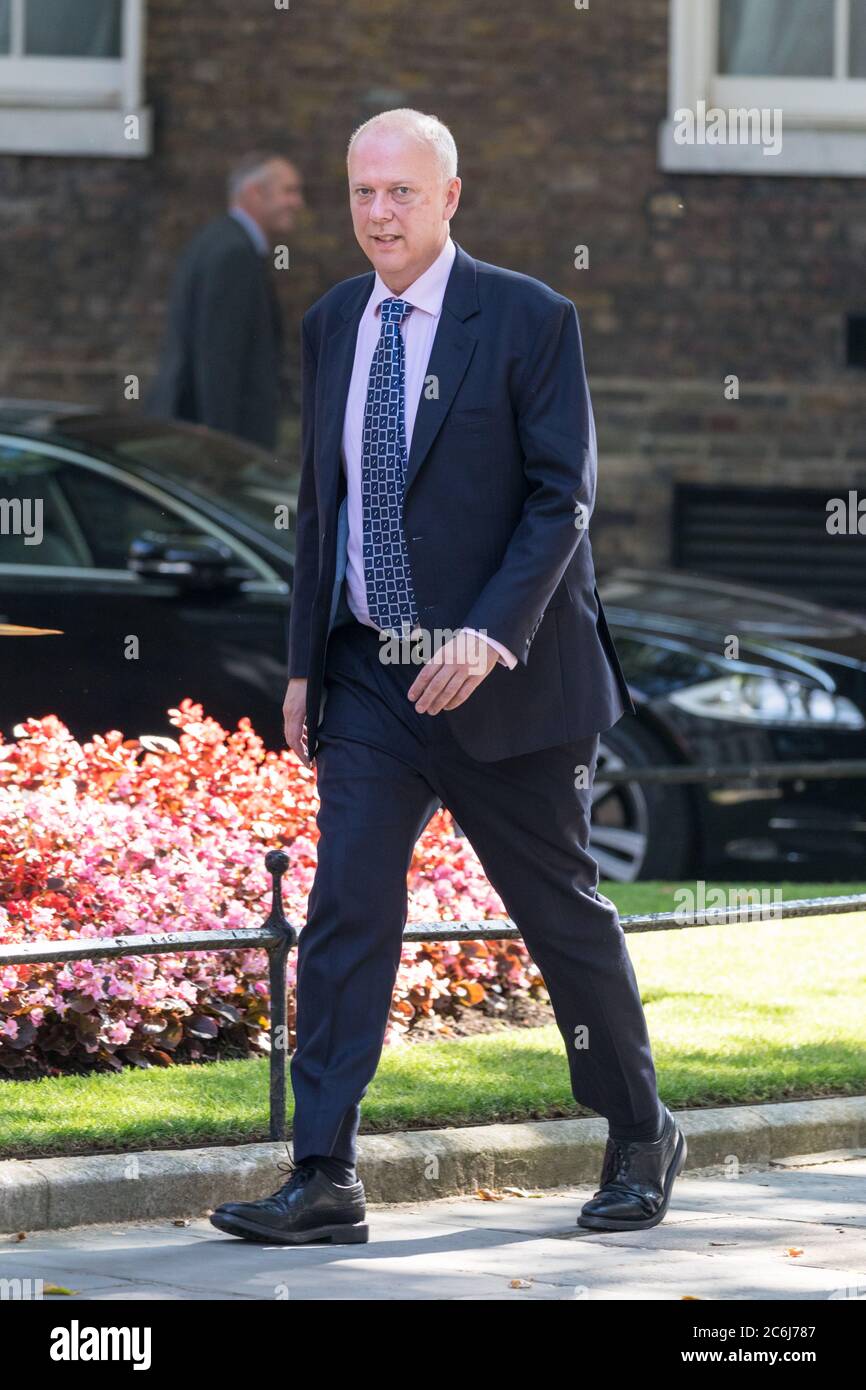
37, 525
247, 481
111, 515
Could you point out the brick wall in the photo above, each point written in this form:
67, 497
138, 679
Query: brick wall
555, 113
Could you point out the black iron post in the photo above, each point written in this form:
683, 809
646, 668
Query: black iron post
276, 863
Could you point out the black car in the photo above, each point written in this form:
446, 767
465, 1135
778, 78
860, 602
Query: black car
163, 554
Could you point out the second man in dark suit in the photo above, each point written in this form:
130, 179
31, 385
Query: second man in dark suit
220, 364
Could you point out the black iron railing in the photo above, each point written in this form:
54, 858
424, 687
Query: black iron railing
277, 935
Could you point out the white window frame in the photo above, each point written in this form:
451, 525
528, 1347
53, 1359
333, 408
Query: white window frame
76, 106
823, 118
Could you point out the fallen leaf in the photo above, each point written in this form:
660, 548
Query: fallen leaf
794, 1251
58, 1288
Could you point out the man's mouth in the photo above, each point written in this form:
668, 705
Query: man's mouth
386, 239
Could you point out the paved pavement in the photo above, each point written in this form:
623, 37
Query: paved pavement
723, 1238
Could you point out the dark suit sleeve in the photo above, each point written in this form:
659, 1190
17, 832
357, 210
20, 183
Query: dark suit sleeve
306, 574
226, 312
557, 433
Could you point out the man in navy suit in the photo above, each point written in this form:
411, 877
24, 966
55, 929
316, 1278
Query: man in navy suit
447, 644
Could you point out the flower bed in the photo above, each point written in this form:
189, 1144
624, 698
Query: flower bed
107, 838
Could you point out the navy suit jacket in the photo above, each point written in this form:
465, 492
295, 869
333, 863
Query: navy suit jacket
500, 481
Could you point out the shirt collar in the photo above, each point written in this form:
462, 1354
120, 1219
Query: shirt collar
428, 291
251, 226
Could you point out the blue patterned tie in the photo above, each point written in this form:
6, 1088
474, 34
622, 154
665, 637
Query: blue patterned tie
390, 595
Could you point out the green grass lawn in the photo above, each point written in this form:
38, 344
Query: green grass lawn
746, 1013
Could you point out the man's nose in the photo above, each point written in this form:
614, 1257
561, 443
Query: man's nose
379, 210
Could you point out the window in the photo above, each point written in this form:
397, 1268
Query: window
245, 480
58, 510
36, 524
771, 537
782, 81
70, 78
55, 513
111, 516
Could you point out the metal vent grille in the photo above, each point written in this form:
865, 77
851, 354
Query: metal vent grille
776, 537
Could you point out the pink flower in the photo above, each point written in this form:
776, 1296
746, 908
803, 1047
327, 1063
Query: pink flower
99, 840
118, 1032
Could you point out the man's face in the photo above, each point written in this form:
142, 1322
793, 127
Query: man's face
401, 204
275, 199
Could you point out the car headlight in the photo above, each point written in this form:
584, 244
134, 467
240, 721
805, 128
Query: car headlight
746, 698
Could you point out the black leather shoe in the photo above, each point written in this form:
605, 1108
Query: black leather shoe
307, 1207
636, 1181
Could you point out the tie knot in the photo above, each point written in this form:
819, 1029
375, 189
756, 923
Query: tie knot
395, 310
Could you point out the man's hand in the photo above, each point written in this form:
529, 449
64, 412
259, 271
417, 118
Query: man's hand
450, 676
294, 718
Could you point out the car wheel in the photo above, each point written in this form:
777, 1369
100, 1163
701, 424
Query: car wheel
639, 830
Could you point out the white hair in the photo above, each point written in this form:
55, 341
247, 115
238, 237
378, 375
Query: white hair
250, 169
427, 128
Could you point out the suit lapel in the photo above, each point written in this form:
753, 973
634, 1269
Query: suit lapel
453, 346
450, 356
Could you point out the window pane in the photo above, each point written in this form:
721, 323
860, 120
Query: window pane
858, 38
111, 515
83, 29
36, 525
4, 25
776, 38
244, 478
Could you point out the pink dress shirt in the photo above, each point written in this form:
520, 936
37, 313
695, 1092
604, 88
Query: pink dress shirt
418, 329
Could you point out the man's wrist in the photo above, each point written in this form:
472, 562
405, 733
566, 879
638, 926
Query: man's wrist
506, 657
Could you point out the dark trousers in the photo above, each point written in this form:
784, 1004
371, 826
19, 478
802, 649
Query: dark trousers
382, 770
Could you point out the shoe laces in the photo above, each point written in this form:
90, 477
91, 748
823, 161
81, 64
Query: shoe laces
620, 1155
298, 1172
616, 1182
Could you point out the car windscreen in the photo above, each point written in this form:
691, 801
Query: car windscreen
694, 597
243, 478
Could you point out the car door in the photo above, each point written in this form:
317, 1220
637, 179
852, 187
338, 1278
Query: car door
129, 647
